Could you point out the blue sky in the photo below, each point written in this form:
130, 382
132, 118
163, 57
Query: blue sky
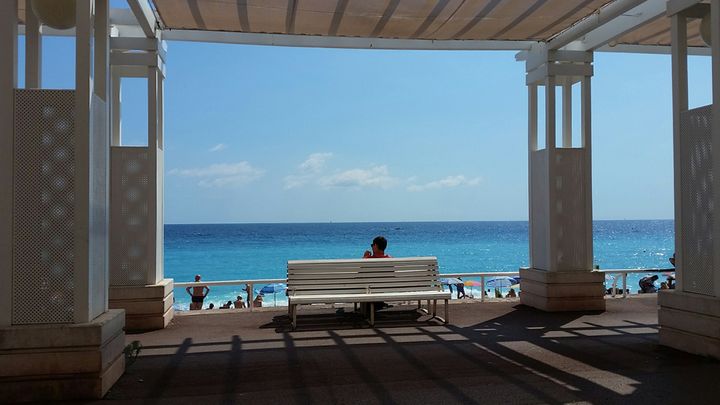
275, 134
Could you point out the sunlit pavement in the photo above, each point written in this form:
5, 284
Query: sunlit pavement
490, 352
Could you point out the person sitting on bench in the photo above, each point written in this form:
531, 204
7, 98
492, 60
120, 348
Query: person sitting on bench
378, 246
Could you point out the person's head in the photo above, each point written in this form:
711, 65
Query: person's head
197, 278
229, 302
238, 297
211, 306
512, 290
672, 260
379, 244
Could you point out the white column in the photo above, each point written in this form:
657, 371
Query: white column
586, 145
680, 104
550, 140
152, 224
567, 115
532, 147
33, 50
8, 82
115, 108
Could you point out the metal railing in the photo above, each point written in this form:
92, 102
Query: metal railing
481, 275
625, 272
250, 283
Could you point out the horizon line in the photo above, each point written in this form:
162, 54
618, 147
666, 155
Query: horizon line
391, 222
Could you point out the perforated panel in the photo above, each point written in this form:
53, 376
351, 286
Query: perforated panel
697, 215
129, 232
43, 207
569, 210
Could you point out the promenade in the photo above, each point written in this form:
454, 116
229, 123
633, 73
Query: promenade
494, 352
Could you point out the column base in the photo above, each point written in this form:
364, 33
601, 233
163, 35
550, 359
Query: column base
690, 322
64, 361
560, 291
147, 307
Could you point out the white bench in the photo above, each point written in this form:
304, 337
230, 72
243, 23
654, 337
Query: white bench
364, 281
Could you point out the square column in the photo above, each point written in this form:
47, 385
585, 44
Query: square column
58, 340
560, 276
690, 315
137, 282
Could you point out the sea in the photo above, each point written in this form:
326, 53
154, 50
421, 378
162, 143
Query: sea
261, 251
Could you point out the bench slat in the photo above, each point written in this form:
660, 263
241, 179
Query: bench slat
345, 298
325, 269
342, 262
363, 280
361, 290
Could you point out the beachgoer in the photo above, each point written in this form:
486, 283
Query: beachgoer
239, 303
460, 287
511, 294
672, 260
227, 305
257, 303
378, 246
647, 284
197, 294
664, 286
211, 306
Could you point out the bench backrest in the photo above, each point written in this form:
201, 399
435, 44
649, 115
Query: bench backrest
357, 276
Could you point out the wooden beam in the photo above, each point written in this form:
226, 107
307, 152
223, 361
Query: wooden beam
145, 16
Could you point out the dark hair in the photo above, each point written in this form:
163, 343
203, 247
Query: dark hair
381, 242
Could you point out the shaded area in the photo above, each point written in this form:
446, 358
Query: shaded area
499, 352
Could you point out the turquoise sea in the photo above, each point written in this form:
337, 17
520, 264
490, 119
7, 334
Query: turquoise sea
260, 251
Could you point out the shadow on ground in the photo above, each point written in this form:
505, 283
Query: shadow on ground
493, 352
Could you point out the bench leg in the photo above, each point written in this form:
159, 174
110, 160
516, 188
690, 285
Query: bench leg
355, 305
434, 308
372, 314
447, 312
419, 304
293, 312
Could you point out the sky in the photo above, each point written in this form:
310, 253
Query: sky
279, 134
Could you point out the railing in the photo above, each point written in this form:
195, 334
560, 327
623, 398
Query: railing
251, 283
625, 272
481, 276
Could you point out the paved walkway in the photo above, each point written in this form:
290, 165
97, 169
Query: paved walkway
490, 353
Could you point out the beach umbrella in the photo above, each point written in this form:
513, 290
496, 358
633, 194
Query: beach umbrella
500, 282
273, 289
450, 281
473, 283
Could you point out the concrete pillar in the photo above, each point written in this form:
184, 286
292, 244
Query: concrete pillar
560, 276
58, 340
689, 316
137, 282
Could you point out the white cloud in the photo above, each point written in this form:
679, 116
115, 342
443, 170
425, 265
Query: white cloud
309, 169
218, 147
377, 176
447, 182
222, 174
315, 162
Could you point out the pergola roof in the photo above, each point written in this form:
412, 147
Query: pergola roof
437, 20
409, 24
399, 19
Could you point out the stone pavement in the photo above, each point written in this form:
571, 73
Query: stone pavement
493, 352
